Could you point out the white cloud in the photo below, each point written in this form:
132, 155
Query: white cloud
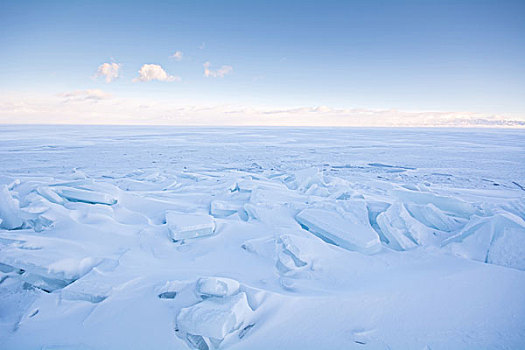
85, 95
150, 72
52, 109
108, 70
177, 55
219, 73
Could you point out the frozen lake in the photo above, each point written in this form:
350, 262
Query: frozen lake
257, 238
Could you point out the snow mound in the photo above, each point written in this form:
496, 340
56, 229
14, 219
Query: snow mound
264, 247
217, 287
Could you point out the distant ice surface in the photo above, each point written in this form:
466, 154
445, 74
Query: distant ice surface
261, 238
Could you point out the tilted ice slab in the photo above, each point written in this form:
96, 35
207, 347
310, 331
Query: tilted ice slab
96, 285
49, 194
301, 180
433, 217
249, 184
215, 317
405, 229
293, 254
451, 205
395, 228
264, 246
292, 257
86, 196
516, 207
274, 197
188, 226
342, 230
46, 263
222, 209
499, 240
9, 210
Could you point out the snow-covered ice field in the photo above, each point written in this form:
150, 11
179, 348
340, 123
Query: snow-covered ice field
261, 238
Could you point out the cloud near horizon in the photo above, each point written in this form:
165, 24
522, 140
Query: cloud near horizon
149, 72
219, 73
108, 70
113, 110
86, 95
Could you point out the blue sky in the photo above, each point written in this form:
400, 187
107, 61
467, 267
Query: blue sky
447, 56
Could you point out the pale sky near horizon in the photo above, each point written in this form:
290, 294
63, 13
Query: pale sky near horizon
381, 63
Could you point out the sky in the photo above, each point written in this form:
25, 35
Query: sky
354, 63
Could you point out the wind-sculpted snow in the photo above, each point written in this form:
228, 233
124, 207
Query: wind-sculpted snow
232, 238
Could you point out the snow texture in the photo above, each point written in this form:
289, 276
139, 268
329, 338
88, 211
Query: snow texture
261, 238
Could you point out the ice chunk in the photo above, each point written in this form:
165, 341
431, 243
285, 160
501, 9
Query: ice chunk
403, 231
248, 185
395, 231
278, 216
45, 262
217, 286
451, 205
305, 179
271, 197
245, 330
59, 274
91, 197
47, 284
374, 209
215, 317
223, 209
264, 247
198, 342
50, 195
171, 289
499, 239
187, 226
9, 211
508, 247
516, 207
40, 223
96, 285
433, 217
293, 254
290, 258
167, 295
316, 190
339, 229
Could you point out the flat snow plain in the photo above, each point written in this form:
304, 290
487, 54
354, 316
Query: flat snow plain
261, 238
